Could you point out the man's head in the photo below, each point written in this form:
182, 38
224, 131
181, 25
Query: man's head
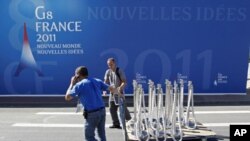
81, 72
111, 64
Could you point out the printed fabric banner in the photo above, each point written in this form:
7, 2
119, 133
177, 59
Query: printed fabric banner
203, 41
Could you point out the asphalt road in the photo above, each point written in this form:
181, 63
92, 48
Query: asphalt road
63, 124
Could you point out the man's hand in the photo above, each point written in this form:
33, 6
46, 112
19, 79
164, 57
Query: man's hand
120, 89
104, 93
112, 89
74, 80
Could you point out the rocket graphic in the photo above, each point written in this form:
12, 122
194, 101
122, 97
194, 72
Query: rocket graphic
27, 58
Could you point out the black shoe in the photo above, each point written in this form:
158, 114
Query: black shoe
115, 126
128, 119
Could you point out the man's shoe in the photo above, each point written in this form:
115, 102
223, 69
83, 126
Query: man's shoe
115, 126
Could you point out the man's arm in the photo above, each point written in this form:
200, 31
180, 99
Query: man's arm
123, 81
73, 81
122, 86
106, 81
106, 77
68, 97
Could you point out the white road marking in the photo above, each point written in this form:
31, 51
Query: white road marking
51, 125
222, 112
58, 113
62, 113
47, 125
108, 113
225, 124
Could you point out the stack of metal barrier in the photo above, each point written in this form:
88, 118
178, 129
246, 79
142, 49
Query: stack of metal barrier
163, 118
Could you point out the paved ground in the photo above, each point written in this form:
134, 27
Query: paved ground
63, 124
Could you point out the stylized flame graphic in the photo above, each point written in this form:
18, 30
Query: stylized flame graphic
27, 59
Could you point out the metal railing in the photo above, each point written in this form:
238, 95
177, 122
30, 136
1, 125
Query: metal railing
163, 118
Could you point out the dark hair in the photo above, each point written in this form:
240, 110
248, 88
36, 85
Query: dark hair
82, 70
111, 59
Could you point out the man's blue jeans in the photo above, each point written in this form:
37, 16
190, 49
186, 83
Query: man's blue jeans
95, 120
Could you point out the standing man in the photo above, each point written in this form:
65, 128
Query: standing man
115, 77
89, 90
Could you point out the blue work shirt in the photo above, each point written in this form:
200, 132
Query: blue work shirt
89, 90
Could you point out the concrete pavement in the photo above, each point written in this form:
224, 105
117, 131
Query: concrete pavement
63, 124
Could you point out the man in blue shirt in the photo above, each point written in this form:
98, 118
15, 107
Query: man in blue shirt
89, 90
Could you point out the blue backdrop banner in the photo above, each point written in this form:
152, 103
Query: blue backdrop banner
205, 41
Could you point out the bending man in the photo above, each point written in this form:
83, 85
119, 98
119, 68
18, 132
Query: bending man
89, 90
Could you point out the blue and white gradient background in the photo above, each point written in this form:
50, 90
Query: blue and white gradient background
206, 41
